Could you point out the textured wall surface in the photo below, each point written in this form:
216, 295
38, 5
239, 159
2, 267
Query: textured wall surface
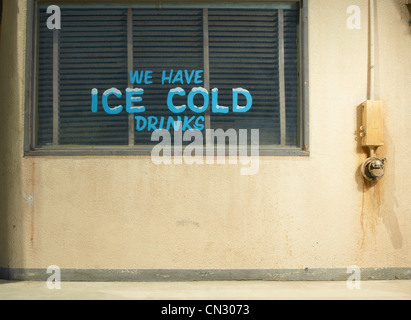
315, 212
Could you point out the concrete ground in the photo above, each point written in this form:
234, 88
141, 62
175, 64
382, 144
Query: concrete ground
370, 290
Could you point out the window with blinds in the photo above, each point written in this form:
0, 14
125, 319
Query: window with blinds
252, 48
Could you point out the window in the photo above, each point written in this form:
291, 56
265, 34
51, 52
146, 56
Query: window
256, 47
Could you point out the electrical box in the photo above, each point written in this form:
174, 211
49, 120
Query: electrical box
372, 129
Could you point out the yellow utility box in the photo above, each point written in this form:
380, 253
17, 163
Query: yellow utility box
372, 124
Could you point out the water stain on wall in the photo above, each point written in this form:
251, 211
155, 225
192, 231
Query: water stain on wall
370, 209
30, 204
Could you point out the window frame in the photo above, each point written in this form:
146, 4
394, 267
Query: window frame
30, 148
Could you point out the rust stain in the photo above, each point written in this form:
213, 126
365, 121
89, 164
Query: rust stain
31, 208
370, 207
377, 196
362, 214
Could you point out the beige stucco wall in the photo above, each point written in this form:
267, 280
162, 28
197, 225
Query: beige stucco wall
297, 212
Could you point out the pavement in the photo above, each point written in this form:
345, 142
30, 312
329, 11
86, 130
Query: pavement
236, 290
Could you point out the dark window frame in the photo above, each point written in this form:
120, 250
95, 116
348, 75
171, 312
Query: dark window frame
31, 65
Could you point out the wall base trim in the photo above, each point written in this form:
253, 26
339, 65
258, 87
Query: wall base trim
163, 275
